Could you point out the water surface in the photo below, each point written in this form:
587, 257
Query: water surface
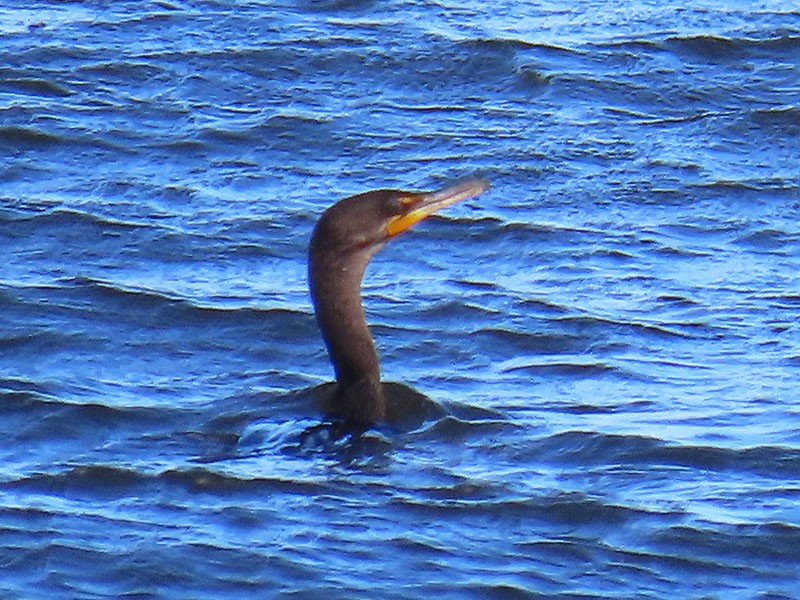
613, 326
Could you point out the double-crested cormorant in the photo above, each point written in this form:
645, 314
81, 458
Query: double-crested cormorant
346, 237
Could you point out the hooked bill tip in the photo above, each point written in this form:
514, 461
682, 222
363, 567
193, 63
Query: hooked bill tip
460, 190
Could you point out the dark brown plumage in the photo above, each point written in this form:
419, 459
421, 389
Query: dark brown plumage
346, 237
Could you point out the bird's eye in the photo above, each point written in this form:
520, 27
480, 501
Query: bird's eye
402, 203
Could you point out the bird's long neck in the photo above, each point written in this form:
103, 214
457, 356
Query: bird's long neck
335, 284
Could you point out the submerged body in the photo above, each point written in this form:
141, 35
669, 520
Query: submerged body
346, 237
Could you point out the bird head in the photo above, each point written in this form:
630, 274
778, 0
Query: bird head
365, 222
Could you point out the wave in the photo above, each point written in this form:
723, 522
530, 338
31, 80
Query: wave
124, 70
468, 424
20, 393
90, 318
782, 116
676, 329
27, 138
561, 368
534, 305
34, 86
788, 300
178, 310
106, 481
591, 448
572, 509
297, 134
498, 230
16, 138
35, 401
767, 240
336, 5
67, 219
37, 340
452, 310
720, 49
526, 342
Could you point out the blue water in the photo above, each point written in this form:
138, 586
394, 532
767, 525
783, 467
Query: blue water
612, 327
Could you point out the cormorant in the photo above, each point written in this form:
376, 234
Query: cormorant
346, 237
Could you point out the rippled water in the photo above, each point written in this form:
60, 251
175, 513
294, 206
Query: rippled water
612, 326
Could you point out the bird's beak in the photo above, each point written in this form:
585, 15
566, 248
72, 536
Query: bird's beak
422, 205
